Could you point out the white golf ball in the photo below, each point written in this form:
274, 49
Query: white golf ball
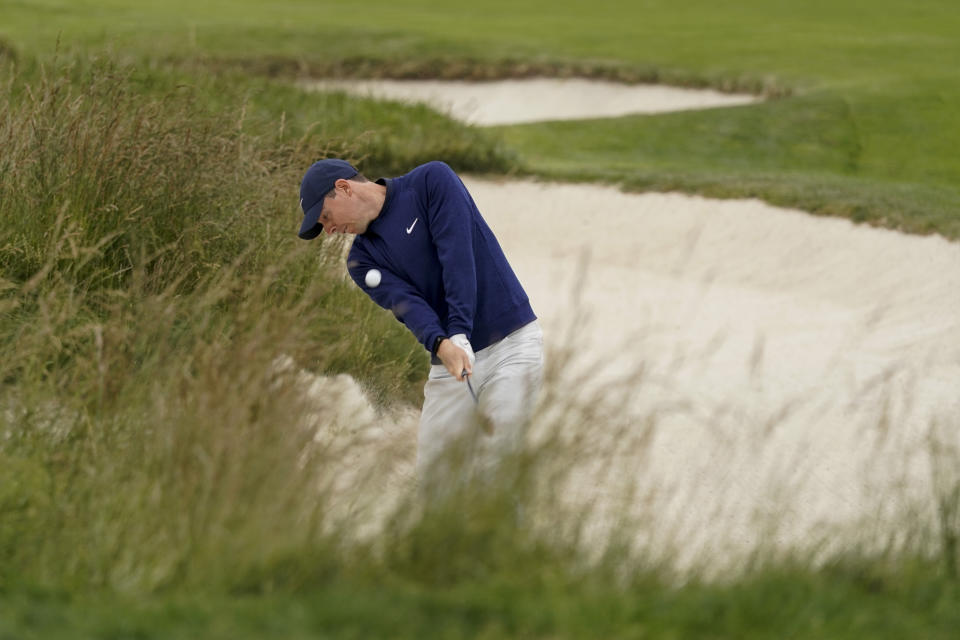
372, 278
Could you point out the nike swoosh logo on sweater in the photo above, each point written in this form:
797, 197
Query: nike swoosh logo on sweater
410, 228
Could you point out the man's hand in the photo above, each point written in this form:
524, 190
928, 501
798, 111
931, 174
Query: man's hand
461, 341
455, 359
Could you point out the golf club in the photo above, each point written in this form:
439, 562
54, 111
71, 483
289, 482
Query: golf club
466, 376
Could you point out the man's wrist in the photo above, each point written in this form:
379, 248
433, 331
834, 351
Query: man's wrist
436, 345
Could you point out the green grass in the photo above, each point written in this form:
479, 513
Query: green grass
871, 86
804, 152
154, 481
814, 43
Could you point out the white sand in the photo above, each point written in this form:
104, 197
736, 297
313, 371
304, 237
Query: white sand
530, 100
774, 345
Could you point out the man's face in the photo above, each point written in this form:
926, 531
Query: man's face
342, 213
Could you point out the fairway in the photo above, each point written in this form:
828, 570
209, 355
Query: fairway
864, 123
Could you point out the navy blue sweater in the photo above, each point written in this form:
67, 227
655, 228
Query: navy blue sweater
443, 271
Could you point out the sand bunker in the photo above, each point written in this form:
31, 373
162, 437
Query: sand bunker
757, 378
531, 100
780, 364
763, 378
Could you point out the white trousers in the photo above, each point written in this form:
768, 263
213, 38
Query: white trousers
457, 434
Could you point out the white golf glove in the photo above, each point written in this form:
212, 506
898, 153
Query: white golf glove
461, 341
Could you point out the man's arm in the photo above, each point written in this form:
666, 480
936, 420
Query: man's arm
409, 307
450, 214
397, 296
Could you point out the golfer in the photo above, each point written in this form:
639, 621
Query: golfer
443, 274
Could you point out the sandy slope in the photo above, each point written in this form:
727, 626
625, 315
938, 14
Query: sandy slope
794, 364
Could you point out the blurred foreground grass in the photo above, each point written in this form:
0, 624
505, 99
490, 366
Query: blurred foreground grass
157, 475
842, 602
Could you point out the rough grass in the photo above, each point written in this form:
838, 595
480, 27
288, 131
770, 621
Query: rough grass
116, 178
150, 276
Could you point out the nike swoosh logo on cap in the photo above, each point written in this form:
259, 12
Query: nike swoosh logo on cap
410, 228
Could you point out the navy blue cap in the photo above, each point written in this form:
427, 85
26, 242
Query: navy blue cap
317, 182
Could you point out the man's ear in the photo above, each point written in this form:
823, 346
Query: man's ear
343, 185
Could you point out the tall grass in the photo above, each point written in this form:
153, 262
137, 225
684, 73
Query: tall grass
149, 279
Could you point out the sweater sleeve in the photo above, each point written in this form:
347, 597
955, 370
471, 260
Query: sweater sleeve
450, 213
396, 295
